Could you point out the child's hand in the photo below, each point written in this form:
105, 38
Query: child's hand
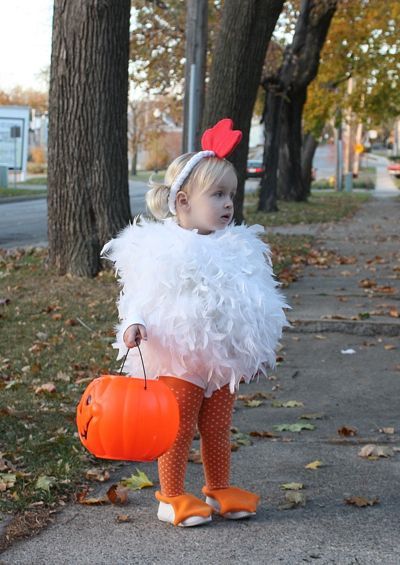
134, 334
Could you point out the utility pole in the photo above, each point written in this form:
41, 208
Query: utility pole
195, 70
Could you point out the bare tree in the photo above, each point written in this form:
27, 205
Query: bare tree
88, 198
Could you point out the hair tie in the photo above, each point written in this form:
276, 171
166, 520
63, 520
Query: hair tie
218, 141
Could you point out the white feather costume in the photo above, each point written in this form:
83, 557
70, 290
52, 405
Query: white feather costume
210, 303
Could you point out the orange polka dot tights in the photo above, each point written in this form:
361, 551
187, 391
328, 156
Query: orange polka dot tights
213, 417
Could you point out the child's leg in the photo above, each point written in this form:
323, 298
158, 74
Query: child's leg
172, 465
214, 426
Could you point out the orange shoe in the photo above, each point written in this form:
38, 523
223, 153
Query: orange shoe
232, 502
183, 510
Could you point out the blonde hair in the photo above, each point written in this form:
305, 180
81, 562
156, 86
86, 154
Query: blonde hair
207, 172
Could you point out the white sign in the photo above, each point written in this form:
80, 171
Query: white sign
14, 126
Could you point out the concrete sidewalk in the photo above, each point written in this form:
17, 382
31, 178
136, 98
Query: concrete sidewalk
360, 390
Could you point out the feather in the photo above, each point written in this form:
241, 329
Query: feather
212, 307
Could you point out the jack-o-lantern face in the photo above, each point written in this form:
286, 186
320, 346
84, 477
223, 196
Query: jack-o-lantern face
118, 418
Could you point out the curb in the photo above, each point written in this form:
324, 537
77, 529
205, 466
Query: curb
8, 199
348, 327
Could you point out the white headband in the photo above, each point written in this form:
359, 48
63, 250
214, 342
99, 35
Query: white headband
180, 179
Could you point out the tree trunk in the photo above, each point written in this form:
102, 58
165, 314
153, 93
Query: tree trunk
293, 187
310, 145
235, 74
289, 83
88, 194
134, 164
269, 183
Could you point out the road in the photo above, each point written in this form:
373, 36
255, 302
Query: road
25, 223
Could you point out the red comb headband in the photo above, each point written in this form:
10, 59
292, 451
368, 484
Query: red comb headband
218, 141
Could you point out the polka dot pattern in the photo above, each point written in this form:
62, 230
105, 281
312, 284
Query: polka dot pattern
214, 423
213, 416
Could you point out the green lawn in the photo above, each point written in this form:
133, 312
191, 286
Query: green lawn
6, 192
321, 207
34, 180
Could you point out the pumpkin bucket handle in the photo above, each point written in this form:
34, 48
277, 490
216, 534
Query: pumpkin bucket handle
144, 371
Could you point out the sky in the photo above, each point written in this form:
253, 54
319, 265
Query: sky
25, 42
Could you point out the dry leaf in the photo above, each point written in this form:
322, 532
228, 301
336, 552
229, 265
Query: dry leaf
263, 434
375, 451
47, 387
123, 518
292, 486
118, 494
390, 346
347, 431
361, 501
293, 499
314, 464
387, 430
97, 475
286, 404
252, 403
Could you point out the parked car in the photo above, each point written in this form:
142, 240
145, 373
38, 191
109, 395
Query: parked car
254, 169
394, 169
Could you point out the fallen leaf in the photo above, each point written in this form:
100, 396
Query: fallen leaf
387, 430
118, 493
314, 464
367, 283
242, 439
361, 501
7, 480
97, 475
123, 518
286, 404
347, 431
292, 486
47, 387
136, 482
293, 500
44, 483
375, 451
252, 403
263, 434
389, 347
294, 427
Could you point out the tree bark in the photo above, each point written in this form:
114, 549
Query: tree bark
289, 86
88, 194
310, 145
235, 74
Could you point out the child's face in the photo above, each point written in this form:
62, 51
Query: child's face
204, 210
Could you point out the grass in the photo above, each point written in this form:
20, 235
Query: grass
6, 192
320, 207
34, 180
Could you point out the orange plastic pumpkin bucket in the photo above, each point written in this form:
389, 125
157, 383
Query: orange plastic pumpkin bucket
129, 419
